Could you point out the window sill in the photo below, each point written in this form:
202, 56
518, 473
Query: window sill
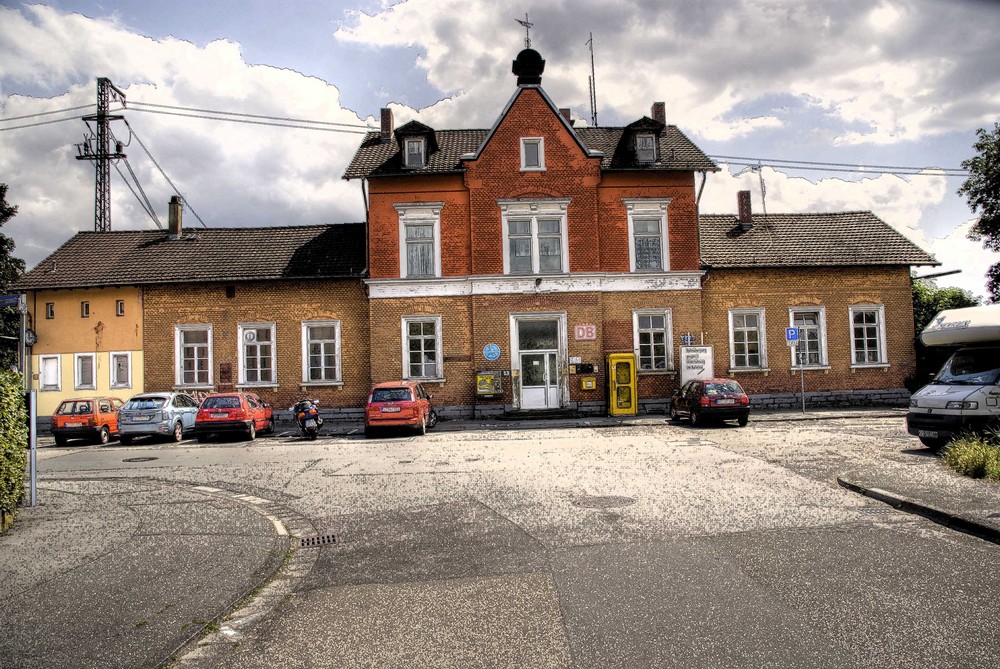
532, 169
810, 368
418, 379
252, 386
321, 384
873, 365
49, 389
750, 370
181, 388
657, 372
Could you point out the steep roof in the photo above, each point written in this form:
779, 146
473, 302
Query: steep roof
131, 257
376, 158
806, 240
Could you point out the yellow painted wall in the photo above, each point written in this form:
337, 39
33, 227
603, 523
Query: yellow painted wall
103, 332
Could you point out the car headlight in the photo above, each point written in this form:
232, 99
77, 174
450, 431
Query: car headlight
962, 405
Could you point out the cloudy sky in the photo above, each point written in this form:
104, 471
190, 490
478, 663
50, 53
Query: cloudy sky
898, 87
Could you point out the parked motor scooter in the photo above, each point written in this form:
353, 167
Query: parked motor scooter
307, 418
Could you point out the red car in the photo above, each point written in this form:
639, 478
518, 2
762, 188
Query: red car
399, 404
227, 413
712, 399
93, 418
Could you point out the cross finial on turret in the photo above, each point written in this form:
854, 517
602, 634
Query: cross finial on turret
527, 30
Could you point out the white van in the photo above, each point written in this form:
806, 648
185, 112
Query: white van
965, 394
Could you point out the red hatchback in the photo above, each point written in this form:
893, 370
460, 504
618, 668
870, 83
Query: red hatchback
399, 404
719, 399
93, 418
226, 413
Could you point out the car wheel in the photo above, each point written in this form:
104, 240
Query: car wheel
696, 420
125, 441
61, 440
251, 431
673, 414
103, 436
270, 425
422, 428
935, 444
433, 420
743, 420
178, 434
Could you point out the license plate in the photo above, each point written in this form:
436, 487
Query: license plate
390, 409
930, 434
310, 423
729, 401
219, 415
74, 424
140, 419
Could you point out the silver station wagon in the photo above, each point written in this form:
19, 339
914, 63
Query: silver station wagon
168, 415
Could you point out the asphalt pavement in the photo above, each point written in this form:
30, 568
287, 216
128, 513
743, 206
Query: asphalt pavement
137, 572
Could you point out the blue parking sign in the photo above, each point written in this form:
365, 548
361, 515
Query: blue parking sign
791, 334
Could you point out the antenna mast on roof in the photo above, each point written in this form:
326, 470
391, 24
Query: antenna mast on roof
527, 30
593, 84
759, 169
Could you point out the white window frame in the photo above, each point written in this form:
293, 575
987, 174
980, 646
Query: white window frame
419, 213
178, 355
438, 346
422, 143
338, 373
642, 209
243, 330
668, 339
78, 383
652, 140
762, 338
50, 310
41, 373
879, 310
540, 142
119, 307
112, 383
535, 209
821, 325
85, 309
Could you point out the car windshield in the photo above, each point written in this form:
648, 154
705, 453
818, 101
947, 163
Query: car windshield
391, 395
71, 407
723, 388
145, 403
221, 403
971, 367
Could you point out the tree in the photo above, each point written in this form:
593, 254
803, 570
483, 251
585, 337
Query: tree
982, 192
11, 269
928, 300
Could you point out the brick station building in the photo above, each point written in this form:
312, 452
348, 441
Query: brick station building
501, 267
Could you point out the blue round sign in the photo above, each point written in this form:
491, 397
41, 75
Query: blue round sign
491, 351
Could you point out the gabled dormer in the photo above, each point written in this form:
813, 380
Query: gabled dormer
642, 140
416, 144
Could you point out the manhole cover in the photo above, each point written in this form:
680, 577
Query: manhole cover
139, 459
316, 542
603, 502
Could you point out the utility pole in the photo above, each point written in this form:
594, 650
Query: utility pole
97, 147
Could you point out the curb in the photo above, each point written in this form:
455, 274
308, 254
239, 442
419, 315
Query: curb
947, 519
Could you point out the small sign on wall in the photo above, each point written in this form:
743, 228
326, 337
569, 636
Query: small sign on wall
585, 332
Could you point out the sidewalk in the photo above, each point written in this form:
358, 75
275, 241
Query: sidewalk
123, 572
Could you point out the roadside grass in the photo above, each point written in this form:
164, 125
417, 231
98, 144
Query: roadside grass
977, 456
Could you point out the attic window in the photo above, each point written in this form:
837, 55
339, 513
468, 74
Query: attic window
414, 153
645, 148
532, 154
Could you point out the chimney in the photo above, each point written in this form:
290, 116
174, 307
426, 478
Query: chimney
175, 210
746, 216
386, 132
659, 112
566, 115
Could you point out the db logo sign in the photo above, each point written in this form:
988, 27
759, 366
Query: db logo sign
585, 332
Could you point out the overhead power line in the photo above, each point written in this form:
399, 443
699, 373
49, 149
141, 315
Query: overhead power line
251, 119
908, 170
48, 113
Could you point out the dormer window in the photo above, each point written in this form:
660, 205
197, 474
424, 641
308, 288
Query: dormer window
645, 148
415, 153
532, 154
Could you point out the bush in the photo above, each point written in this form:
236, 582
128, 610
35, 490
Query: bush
975, 456
13, 443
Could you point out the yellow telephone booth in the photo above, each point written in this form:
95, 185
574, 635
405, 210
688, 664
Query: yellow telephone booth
622, 399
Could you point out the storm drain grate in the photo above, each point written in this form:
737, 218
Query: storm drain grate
316, 542
603, 502
139, 459
877, 510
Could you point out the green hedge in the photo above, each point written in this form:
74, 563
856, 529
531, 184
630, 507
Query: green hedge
13, 441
